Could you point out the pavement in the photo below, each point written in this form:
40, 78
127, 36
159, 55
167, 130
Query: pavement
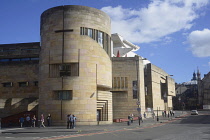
147, 123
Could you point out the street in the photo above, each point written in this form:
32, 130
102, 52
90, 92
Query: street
192, 127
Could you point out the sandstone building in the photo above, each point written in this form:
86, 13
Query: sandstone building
160, 88
79, 68
19, 69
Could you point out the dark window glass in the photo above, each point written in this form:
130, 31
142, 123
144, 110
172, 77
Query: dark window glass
35, 58
63, 95
135, 90
9, 50
90, 33
4, 60
15, 59
7, 84
23, 84
36, 83
65, 70
25, 59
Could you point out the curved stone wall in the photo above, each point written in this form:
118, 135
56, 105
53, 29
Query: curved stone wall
74, 66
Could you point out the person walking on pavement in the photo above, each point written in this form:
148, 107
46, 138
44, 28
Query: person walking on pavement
68, 121
74, 121
49, 120
139, 118
33, 121
165, 113
28, 119
162, 113
129, 118
21, 120
144, 115
153, 115
71, 119
42, 120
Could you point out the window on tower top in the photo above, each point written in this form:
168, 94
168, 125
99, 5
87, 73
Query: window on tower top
100, 38
90, 32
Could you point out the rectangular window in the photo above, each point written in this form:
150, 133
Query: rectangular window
126, 82
35, 58
63, 95
63, 70
100, 38
90, 33
4, 60
7, 84
120, 83
23, 84
36, 83
24, 59
15, 59
135, 89
9, 50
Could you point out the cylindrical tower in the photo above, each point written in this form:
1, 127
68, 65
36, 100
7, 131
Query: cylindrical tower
75, 73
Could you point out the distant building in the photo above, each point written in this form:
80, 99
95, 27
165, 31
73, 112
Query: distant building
187, 94
204, 91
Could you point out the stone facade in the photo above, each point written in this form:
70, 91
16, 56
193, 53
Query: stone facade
76, 37
160, 88
19, 78
126, 72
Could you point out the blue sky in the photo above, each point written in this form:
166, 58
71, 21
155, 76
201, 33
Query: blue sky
173, 34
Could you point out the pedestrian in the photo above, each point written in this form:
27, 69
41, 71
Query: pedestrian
153, 115
163, 113
68, 121
74, 121
42, 120
129, 118
21, 120
144, 115
141, 119
33, 121
173, 113
49, 120
28, 119
71, 119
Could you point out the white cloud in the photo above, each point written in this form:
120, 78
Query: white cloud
200, 43
152, 23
